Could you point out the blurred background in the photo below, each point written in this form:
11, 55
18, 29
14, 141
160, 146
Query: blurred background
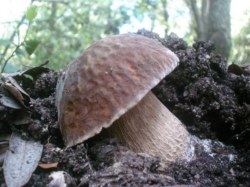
33, 31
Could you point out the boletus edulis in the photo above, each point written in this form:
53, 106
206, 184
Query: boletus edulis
109, 85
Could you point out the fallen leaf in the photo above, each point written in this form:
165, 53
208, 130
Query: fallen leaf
21, 160
48, 165
4, 145
9, 102
9, 88
9, 82
2, 156
34, 72
13, 81
14, 92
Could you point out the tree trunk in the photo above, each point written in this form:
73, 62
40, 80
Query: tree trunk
212, 22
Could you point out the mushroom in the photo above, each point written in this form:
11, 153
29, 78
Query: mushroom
109, 84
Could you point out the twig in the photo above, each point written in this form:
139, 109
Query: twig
12, 54
11, 39
44, 64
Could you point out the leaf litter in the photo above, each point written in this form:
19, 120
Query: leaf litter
21, 160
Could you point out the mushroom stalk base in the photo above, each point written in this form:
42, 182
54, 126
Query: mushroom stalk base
151, 128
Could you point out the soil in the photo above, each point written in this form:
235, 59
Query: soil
213, 103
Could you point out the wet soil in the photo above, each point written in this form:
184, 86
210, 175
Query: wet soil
213, 103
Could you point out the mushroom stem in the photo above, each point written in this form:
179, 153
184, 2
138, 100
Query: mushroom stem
151, 128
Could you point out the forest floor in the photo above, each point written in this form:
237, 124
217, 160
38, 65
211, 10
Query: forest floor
213, 103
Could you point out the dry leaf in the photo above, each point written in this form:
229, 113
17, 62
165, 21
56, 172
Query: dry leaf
21, 160
9, 102
14, 83
14, 92
9, 82
4, 145
2, 156
48, 165
35, 72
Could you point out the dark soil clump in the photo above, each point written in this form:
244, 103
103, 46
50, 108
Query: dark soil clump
213, 103
210, 101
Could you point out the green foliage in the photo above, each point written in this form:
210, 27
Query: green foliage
31, 45
12, 49
31, 13
241, 46
61, 30
4, 42
65, 30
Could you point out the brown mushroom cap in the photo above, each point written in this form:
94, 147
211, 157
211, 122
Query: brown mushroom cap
107, 80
